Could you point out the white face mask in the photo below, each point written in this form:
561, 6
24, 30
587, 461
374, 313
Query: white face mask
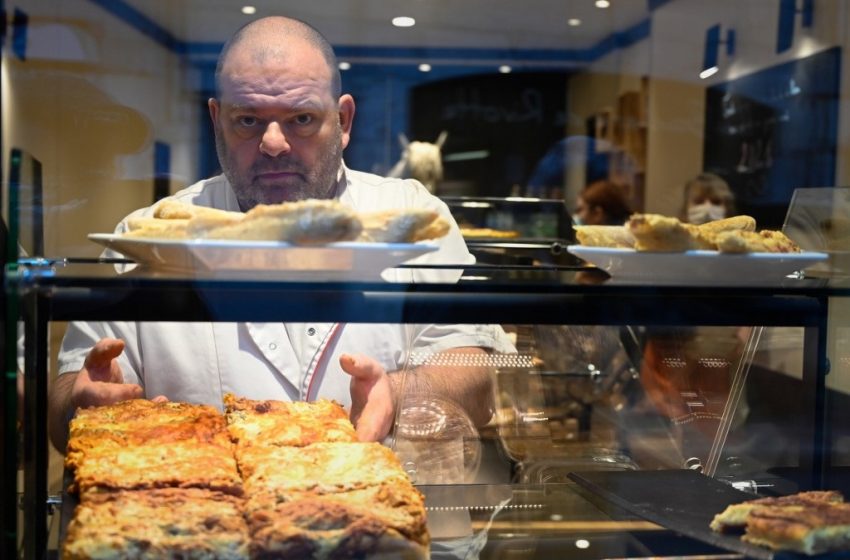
705, 212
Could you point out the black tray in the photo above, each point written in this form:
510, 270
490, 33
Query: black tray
683, 501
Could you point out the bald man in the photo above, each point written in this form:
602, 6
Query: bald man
281, 125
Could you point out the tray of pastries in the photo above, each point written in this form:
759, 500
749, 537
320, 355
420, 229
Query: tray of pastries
265, 479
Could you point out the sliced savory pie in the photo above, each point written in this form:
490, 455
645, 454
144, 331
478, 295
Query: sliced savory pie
162, 425
321, 467
328, 529
182, 464
808, 528
276, 423
162, 523
735, 516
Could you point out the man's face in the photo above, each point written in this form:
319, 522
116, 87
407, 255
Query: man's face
279, 131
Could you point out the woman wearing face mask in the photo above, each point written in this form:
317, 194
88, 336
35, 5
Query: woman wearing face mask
707, 198
602, 203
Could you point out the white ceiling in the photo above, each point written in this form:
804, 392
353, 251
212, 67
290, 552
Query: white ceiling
488, 24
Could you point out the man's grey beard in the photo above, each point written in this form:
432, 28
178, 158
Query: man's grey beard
319, 182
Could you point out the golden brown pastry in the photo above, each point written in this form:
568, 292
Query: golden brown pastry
157, 228
735, 516
276, 423
160, 523
308, 222
807, 528
403, 226
734, 223
654, 232
605, 236
161, 480
765, 241
171, 209
487, 233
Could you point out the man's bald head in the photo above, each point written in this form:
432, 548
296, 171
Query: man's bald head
270, 37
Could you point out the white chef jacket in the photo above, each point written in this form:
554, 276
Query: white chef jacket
200, 362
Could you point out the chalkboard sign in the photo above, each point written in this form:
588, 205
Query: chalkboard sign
499, 125
774, 131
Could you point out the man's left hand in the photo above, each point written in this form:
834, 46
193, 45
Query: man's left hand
372, 408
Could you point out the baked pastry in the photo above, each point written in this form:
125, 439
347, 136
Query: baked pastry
733, 223
157, 228
140, 421
171, 209
161, 480
308, 222
487, 233
336, 527
403, 226
605, 236
810, 528
320, 467
654, 232
188, 523
736, 516
140, 444
181, 464
276, 423
765, 241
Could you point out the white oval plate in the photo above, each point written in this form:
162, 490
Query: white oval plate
696, 267
349, 261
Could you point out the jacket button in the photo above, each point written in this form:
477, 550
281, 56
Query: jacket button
311, 331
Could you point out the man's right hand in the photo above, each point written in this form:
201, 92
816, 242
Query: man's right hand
100, 381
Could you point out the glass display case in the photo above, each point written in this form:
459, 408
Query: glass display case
612, 389
625, 403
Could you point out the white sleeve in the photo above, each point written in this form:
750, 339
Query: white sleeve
437, 338
81, 336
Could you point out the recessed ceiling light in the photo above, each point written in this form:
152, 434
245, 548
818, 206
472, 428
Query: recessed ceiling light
344, 65
708, 72
249, 10
424, 67
404, 21
602, 3
504, 69
572, 22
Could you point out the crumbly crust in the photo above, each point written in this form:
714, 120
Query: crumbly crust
321, 467
163, 523
274, 423
735, 516
810, 528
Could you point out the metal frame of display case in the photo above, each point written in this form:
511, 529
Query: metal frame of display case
522, 297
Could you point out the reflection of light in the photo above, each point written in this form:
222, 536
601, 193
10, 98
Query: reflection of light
708, 72
793, 88
476, 204
602, 3
249, 10
573, 22
476, 278
556, 517
464, 156
424, 67
582, 543
344, 65
404, 21
504, 69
